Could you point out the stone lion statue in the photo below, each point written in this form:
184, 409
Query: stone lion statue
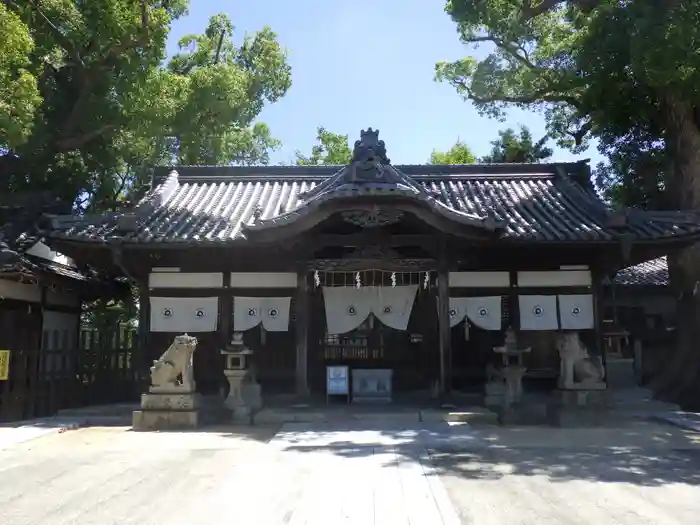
578, 369
174, 364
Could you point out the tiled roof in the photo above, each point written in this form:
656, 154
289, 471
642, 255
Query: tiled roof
19, 233
540, 202
650, 273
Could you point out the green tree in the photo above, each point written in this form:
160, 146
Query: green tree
512, 147
330, 148
111, 107
459, 153
19, 93
588, 65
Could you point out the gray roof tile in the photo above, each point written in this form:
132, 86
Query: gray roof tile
19, 232
649, 273
216, 204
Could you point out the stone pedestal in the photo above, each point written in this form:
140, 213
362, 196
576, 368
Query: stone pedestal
578, 408
495, 394
244, 397
167, 410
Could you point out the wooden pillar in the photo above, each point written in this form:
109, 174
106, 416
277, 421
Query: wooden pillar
302, 334
444, 329
513, 301
598, 313
144, 357
226, 312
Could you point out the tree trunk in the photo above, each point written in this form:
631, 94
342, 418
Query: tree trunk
678, 382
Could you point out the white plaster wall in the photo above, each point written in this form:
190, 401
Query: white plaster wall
44, 252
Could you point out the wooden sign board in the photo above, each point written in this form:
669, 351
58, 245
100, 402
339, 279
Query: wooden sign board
4, 365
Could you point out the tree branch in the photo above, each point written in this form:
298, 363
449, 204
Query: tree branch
510, 48
63, 40
581, 133
141, 38
218, 47
531, 9
76, 142
544, 95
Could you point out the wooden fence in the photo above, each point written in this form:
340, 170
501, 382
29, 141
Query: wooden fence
71, 370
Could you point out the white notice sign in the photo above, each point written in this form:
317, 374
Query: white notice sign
337, 381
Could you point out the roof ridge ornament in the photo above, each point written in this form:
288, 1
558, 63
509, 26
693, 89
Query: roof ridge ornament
369, 146
368, 157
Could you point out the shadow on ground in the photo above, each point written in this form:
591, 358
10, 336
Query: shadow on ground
646, 454
258, 433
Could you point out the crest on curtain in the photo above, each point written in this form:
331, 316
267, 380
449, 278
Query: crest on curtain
483, 312
538, 312
576, 312
184, 314
271, 312
347, 307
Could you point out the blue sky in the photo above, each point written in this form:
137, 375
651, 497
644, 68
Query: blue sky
362, 63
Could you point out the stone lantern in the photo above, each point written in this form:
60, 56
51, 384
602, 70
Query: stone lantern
244, 396
513, 369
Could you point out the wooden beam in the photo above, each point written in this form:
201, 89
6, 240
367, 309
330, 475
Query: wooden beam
370, 237
302, 334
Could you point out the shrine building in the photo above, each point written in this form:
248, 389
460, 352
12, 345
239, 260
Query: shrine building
407, 274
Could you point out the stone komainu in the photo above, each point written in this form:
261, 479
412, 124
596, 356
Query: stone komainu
174, 368
578, 366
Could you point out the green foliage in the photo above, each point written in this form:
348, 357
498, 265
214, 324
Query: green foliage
330, 148
110, 108
511, 147
459, 153
625, 72
19, 93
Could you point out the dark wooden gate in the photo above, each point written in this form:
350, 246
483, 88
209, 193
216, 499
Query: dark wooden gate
20, 333
59, 369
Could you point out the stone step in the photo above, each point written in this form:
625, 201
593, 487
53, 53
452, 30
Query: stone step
166, 420
117, 409
274, 416
475, 416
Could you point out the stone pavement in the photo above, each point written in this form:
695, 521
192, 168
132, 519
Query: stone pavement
303, 476
98, 415
15, 433
352, 473
687, 420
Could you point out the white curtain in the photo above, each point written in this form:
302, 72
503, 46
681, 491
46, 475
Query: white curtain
538, 312
393, 305
457, 310
346, 307
246, 313
484, 312
275, 313
272, 312
576, 312
184, 314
